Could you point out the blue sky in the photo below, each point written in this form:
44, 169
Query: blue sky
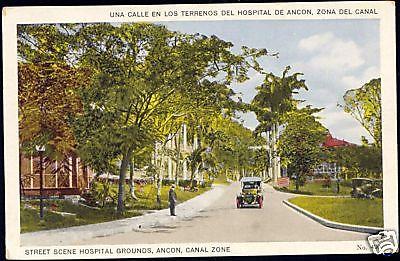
334, 55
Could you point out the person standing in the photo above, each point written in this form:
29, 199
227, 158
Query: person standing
172, 200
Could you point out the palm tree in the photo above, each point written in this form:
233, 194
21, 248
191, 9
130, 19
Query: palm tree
273, 99
195, 160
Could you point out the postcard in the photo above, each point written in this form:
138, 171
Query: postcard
200, 130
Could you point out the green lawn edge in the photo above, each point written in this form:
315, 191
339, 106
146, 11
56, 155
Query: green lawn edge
316, 189
361, 212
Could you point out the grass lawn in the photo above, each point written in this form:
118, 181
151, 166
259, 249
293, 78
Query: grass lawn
147, 196
314, 188
30, 217
364, 212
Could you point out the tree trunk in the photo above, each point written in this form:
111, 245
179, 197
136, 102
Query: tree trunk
193, 173
122, 173
159, 181
275, 159
178, 156
106, 187
131, 182
74, 172
272, 137
297, 181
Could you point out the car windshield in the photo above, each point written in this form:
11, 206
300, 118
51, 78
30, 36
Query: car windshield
251, 185
361, 182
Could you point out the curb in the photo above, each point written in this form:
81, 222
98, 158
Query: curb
331, 224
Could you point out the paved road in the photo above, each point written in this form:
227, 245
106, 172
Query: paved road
223, 222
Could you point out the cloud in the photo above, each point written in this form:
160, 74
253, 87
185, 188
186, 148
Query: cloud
315, 42
342, 125
250, 120
352, 82
247, 89
330, 53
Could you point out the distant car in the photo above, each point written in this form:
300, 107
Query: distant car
366, 188
250, 193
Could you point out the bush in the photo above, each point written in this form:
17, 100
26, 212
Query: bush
302, 180
326, 183
284, 189
167, 182
206, 184
346, 183
184, 183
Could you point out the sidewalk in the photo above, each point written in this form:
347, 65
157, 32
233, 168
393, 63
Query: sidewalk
66, 236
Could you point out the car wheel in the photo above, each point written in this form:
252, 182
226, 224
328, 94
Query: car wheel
260, 203
237, 203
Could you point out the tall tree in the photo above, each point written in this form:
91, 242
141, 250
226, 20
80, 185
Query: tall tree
358, 161
300, 143
140, 68
47, 101
273, 99
364, 104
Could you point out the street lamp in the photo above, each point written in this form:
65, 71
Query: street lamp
41, 149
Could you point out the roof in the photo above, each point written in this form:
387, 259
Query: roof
250, 179
333, 142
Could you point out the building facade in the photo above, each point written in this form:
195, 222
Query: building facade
332, 169
67, 177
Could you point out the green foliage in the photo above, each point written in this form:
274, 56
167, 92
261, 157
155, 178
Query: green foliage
145, 81
275, 97
47, 100
45, 43
364, 104
358, 161
143, 69
299, 144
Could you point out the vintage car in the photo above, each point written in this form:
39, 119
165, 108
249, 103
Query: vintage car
251, 193
366, 188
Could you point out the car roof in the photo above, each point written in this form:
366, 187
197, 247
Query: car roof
250, 179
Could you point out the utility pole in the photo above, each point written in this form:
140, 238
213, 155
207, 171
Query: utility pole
41, 149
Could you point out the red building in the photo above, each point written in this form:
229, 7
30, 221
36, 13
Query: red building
67, 177
333, 142
331, 168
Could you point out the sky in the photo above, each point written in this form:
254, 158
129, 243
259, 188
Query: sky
334, 55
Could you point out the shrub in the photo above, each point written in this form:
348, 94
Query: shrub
346, 183
326, 183
284, 189
184, 183
167, 182
206, 184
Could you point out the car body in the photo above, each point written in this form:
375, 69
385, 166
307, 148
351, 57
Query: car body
250, 192
366, 188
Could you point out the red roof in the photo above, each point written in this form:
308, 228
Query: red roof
333, 142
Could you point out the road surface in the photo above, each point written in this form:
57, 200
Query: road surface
223, 222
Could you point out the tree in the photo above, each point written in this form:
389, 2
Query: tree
274, 98
46, 43
47, 101
364, 104
140, 68
300, 143
136, 71
358, 161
